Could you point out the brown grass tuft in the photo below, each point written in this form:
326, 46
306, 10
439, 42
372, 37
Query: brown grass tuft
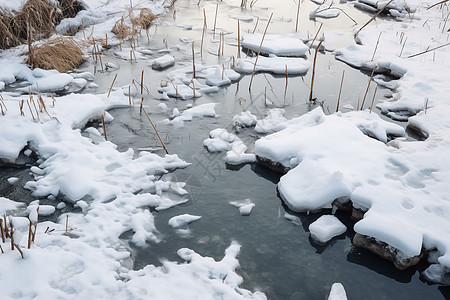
41, 15
121, 30
62, 54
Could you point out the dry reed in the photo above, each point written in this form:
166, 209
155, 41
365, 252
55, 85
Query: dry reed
259, 52
340, 90
373, 17
368, 85
62, 54
110, 88
314, 72
298, 15
38, 17
156, 131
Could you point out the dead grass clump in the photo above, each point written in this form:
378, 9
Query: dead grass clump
144, 20
121, 30
38, 17
62, 54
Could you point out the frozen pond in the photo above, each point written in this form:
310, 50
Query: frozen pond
277, 256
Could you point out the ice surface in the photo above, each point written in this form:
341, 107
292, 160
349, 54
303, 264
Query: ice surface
326, 227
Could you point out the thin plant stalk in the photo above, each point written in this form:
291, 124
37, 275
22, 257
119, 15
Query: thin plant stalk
142, 83
215, 19
314, 39
156, 131
403, 47
374, 93
428, 50
259, 51
373, 18
193, 61
110, 88
314, 72
340, 90
256, 24
367, 89
298, 16
376, 46
239, 41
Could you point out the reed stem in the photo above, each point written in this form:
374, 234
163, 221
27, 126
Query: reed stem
314, 71
110, 88
259, 51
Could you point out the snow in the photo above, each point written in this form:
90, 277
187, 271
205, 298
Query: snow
326, 227
272, 123
7, 205
196, 112
337, 292
163, 62
274, 44
221, 140
272, 64
82, 254
245, 206
52, 83
244, 119
400, 184
12, 180
182, 220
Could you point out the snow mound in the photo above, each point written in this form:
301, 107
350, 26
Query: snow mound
221, 140
244, 119
274, 44
337, 292
182, 220
326, 227
272, 64
397, 186
245, 206
200, 111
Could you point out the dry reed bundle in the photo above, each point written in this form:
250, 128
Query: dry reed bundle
38, 17
144, 20
62, 54
121, 30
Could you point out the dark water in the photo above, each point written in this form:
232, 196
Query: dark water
277, 256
